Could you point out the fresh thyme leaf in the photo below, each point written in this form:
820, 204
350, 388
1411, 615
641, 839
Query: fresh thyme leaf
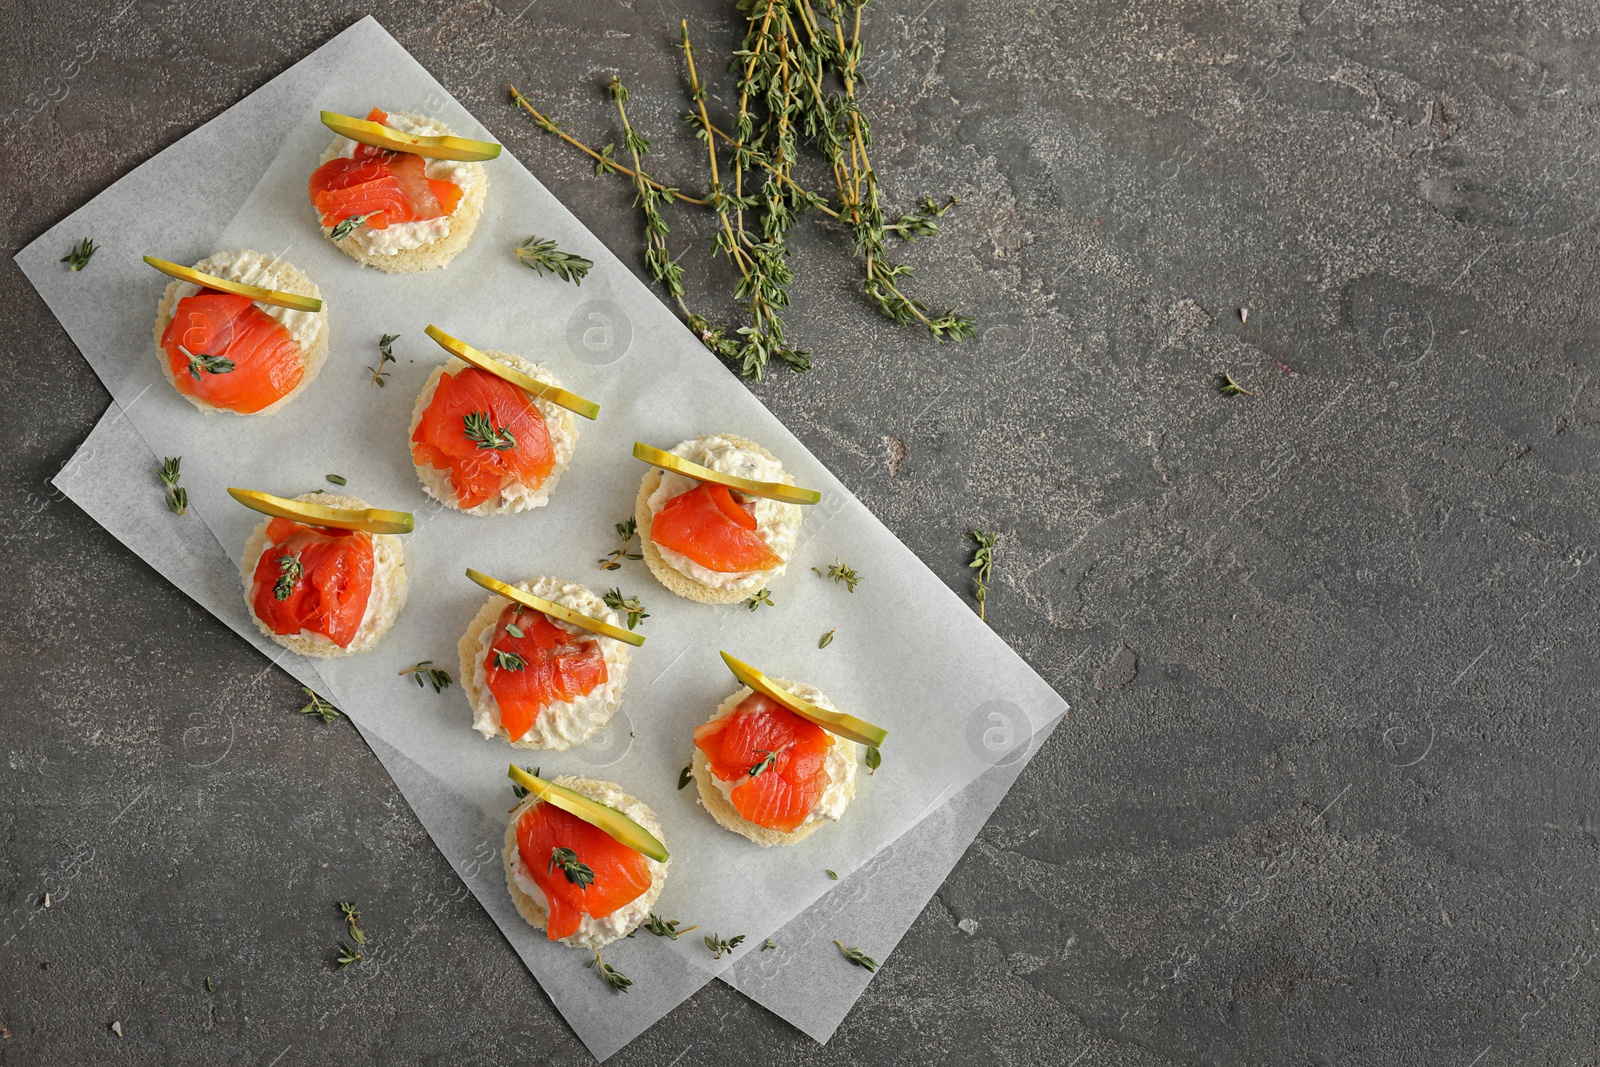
983, 563
719, 947
770, 756
827, 638
209, 987
768, 943
520, 791
427, 674
209, 364
685, 776
543, 255
348, 955
627, 531
347, 227
667, 928
385, 356
857, 957
79, 255
319, 707
579, 874
337, 479
482, 432
874, 760
916, 224
840, 572
614, 978
289, 572
177, 496
515, 631
617, 602
764, 596
508, 661
352, 915
1228, 387
831, 875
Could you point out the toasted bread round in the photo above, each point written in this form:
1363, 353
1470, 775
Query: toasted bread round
288, 279
666, 573
550, 731
435, 253
388, 584
722, 809
534, 912
561, 423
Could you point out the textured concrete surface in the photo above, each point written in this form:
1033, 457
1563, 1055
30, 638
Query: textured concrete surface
1326, 795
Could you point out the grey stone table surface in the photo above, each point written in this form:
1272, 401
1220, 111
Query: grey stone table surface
1326, 792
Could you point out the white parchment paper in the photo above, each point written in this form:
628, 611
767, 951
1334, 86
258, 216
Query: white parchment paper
909, 654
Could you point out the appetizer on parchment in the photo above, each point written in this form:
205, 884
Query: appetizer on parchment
239, 331
776, 761
544, 662
491, 433
584, 860
718, 518
396, 191
323, 575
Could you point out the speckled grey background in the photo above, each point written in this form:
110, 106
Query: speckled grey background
1325, 793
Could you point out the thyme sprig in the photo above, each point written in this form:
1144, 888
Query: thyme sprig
483, 432
983, 563
348, 226
177, 496
542, 255
614, 978
769, 757
347, 954
627, 531
719, 947
352, 916
319, 707
427, 674
521, 791
508, 661
857, 957
209, 364
290, 571
78, 255
578, 873
617, 602
385, 357
841, 572
667, 928
1227, 386
763, 596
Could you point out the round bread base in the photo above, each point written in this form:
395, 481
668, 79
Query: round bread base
393, 578
467, 650
558, 419
722, 809
437, 252
312, 357
668, 575
531, 909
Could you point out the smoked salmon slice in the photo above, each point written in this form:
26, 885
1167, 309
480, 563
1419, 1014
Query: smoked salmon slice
512, 446
786, 754
621, 875
392, 187
545, 665
324, 576
253, 361
712, 528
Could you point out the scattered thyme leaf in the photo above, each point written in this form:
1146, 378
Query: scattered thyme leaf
983, 563
319, 707
543, 255
578, 873
719, 947
337, 479
515, 631
839, 571
347, 955
667, 928
827, 638
768, 943
770, 756
832, 876
482, 432
352, 915
1228, 387
79, 255
209, 987
764, 596
857, 957
177, 496
347, 227
209, 364
290, 571
617, 602
627, 531
685, 776
427, 674
874, 760
385, 356
614, 978
508, 661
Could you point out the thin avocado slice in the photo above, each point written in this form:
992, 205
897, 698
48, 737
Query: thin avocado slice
367, 520
846, 726
621, 828
532, 386
376, 134
789, 494
275, 297
554, 610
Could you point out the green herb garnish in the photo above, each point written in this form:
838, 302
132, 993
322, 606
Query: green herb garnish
685, 776
579, 874
667, 928
347, 227
508, 661
209, 364
427, 674
617, 602
348, 955
983, 563
832, 876
385, 356
520, 791
337, 479
319, 707
770, 757
1228, 387
764, 596
543, 256
768, 943
482, 432
79, 255
827, 638
874, 760
627, 531
720, 947
209, 987
857, 957
177, 496
840, 572
352, 916
289, 572
614, 978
